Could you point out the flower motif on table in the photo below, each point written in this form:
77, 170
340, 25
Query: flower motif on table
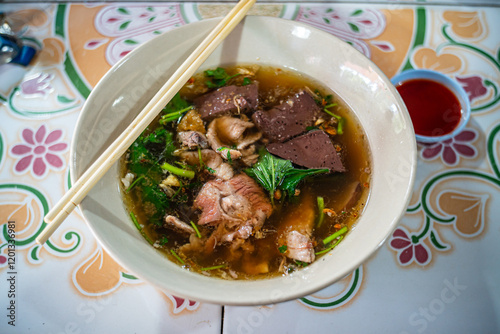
352, 26
39, 152
26, 206
99, 274
427, 58
180, 304
465, 24
37, 86
131, 25
473, 86
452, 149
409, 248
468, 210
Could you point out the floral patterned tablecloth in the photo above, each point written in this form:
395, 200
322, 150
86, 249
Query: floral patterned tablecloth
438, 273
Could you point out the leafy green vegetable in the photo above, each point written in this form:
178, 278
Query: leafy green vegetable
274, 173
144, 156
294, 176
246, 81
301, 263
176, 103
219, 77
269, 171
283, 248
163, 240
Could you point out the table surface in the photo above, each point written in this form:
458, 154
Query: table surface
437, 273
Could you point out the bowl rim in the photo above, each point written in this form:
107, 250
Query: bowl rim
306, 290
449, 83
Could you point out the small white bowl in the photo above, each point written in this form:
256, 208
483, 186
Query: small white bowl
131, 83
449, 83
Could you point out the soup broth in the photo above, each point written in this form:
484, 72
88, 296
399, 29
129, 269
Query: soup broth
218, 193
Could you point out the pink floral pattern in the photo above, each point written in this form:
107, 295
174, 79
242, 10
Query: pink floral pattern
130, 25
409, 248
450, 150
37, 86
473, 86
353, 26
39, 151
180, 304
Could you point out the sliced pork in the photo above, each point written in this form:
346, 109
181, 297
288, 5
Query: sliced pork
178, 225
236, 207
233, 138
296, 229
211, 160
192, 139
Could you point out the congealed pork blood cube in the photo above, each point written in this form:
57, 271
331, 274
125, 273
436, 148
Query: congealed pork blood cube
289, 119
227, 100
311, 150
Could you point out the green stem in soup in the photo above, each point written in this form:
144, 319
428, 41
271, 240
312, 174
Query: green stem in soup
335, 235
134, 183
198, 234
178, 171
136, 223
321, 214
331, 247
177, 256
174, 115
213, 268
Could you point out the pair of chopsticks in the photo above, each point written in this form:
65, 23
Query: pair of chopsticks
87, 181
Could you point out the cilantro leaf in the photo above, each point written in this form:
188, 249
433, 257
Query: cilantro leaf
219, 77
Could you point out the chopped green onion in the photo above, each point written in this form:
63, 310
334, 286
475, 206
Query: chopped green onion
228, 155
136, 223
177, 256
331, 247
134, 183
283, 248
163, 240
198, 234
178, 171
246, 81
213, 268
340, 127
202, 164
321, 207
174, 115
301, 263
335, 235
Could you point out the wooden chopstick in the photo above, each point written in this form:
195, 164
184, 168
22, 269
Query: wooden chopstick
87, 181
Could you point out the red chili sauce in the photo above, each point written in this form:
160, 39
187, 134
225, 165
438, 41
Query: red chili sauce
433, 108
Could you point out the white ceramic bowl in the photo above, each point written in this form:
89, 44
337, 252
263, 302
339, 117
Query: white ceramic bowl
126, 88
